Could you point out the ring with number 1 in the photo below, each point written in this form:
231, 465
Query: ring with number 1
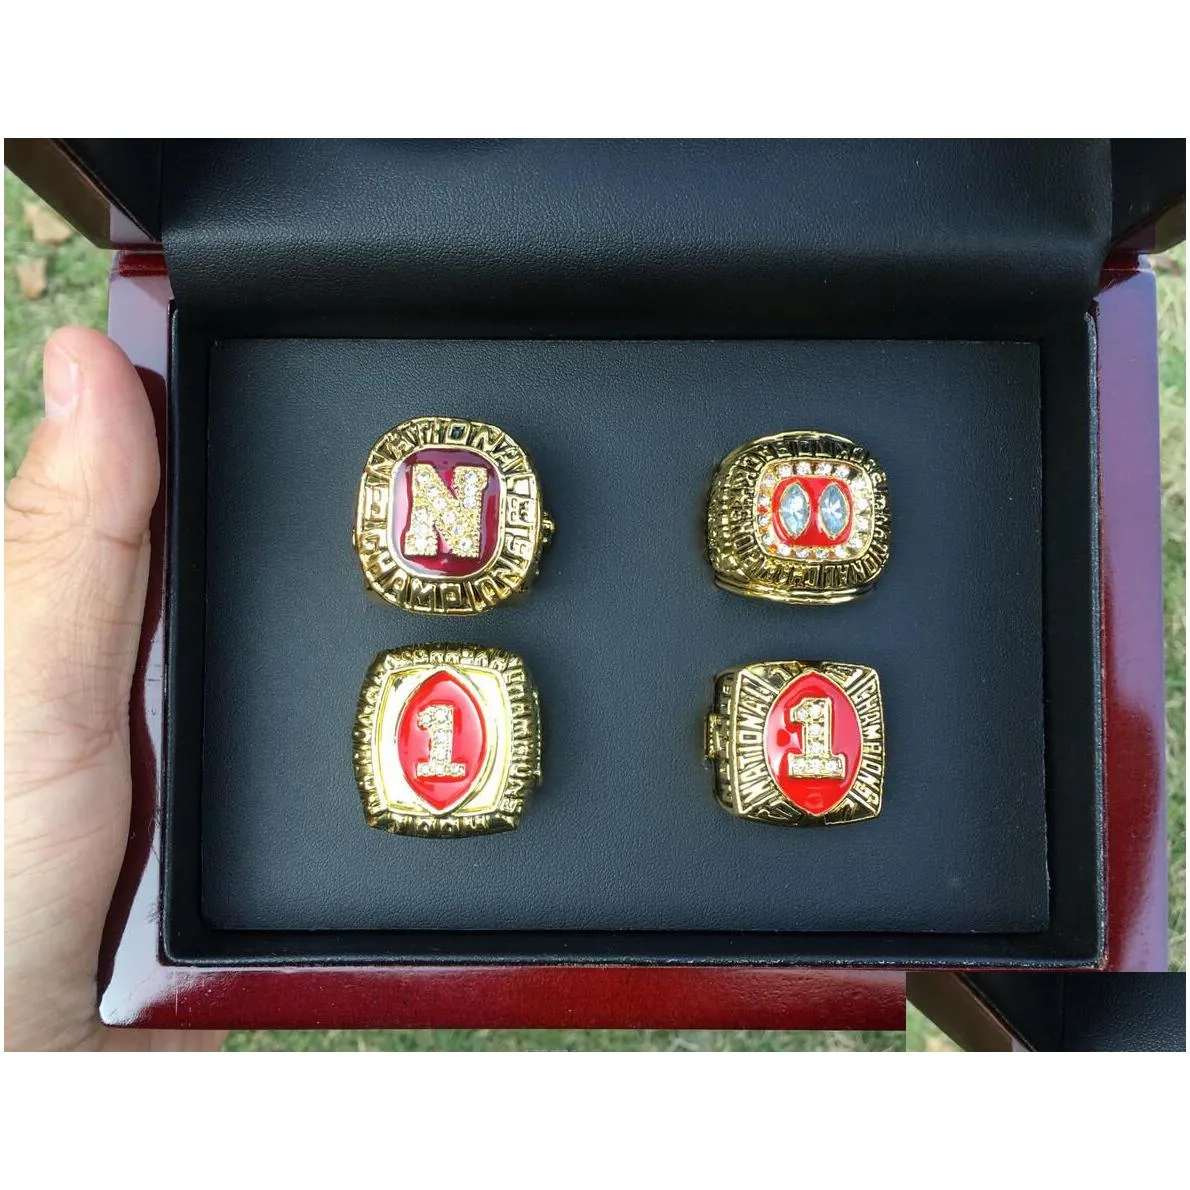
798, 743
447, 741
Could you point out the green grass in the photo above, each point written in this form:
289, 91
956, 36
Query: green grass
77, 294
513, 1040
922, 1035
1171, 315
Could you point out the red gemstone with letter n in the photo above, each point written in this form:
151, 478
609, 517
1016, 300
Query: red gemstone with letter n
446, 512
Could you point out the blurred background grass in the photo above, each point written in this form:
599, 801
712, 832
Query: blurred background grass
1171, 319
509, 1040
75, 292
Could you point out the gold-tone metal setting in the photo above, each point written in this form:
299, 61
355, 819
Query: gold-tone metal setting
423, 533
798, 743
751, 548
462, 764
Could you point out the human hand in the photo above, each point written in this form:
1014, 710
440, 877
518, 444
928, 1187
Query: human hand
76, 533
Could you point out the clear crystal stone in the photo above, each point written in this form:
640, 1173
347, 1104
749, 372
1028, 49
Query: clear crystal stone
803, 468
822, 469
784, 471
794, 509
842, 472
803, 553
832, 510
784, 550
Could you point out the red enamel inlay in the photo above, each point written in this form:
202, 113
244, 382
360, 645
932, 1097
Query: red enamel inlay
444, 461
783, 737
814, 485
469, 743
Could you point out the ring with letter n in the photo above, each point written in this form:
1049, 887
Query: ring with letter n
449, 518
800, 517
798, 743
447, 740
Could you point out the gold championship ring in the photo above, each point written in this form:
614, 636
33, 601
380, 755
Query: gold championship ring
798, 743
447, 741
801, 517
449, 519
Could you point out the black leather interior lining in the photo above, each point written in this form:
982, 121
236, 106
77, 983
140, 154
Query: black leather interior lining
1090, 1011
1148, 177
623, 633
642, 237
1125, 1011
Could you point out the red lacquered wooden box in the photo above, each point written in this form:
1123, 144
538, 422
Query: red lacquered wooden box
140, 987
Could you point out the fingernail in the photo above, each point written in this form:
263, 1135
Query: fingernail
62, 381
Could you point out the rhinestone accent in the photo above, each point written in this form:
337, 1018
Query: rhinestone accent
794, 510
832, 510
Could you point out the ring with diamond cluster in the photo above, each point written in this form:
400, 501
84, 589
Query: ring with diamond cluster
449, 519
800, 517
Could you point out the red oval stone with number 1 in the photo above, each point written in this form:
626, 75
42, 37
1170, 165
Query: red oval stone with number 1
812, 743
442, 741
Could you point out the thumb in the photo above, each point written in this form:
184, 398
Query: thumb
76, 542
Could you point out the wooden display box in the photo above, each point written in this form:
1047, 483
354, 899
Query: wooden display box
1107, 855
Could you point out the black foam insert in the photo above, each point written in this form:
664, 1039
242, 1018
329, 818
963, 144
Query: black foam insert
623, 634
